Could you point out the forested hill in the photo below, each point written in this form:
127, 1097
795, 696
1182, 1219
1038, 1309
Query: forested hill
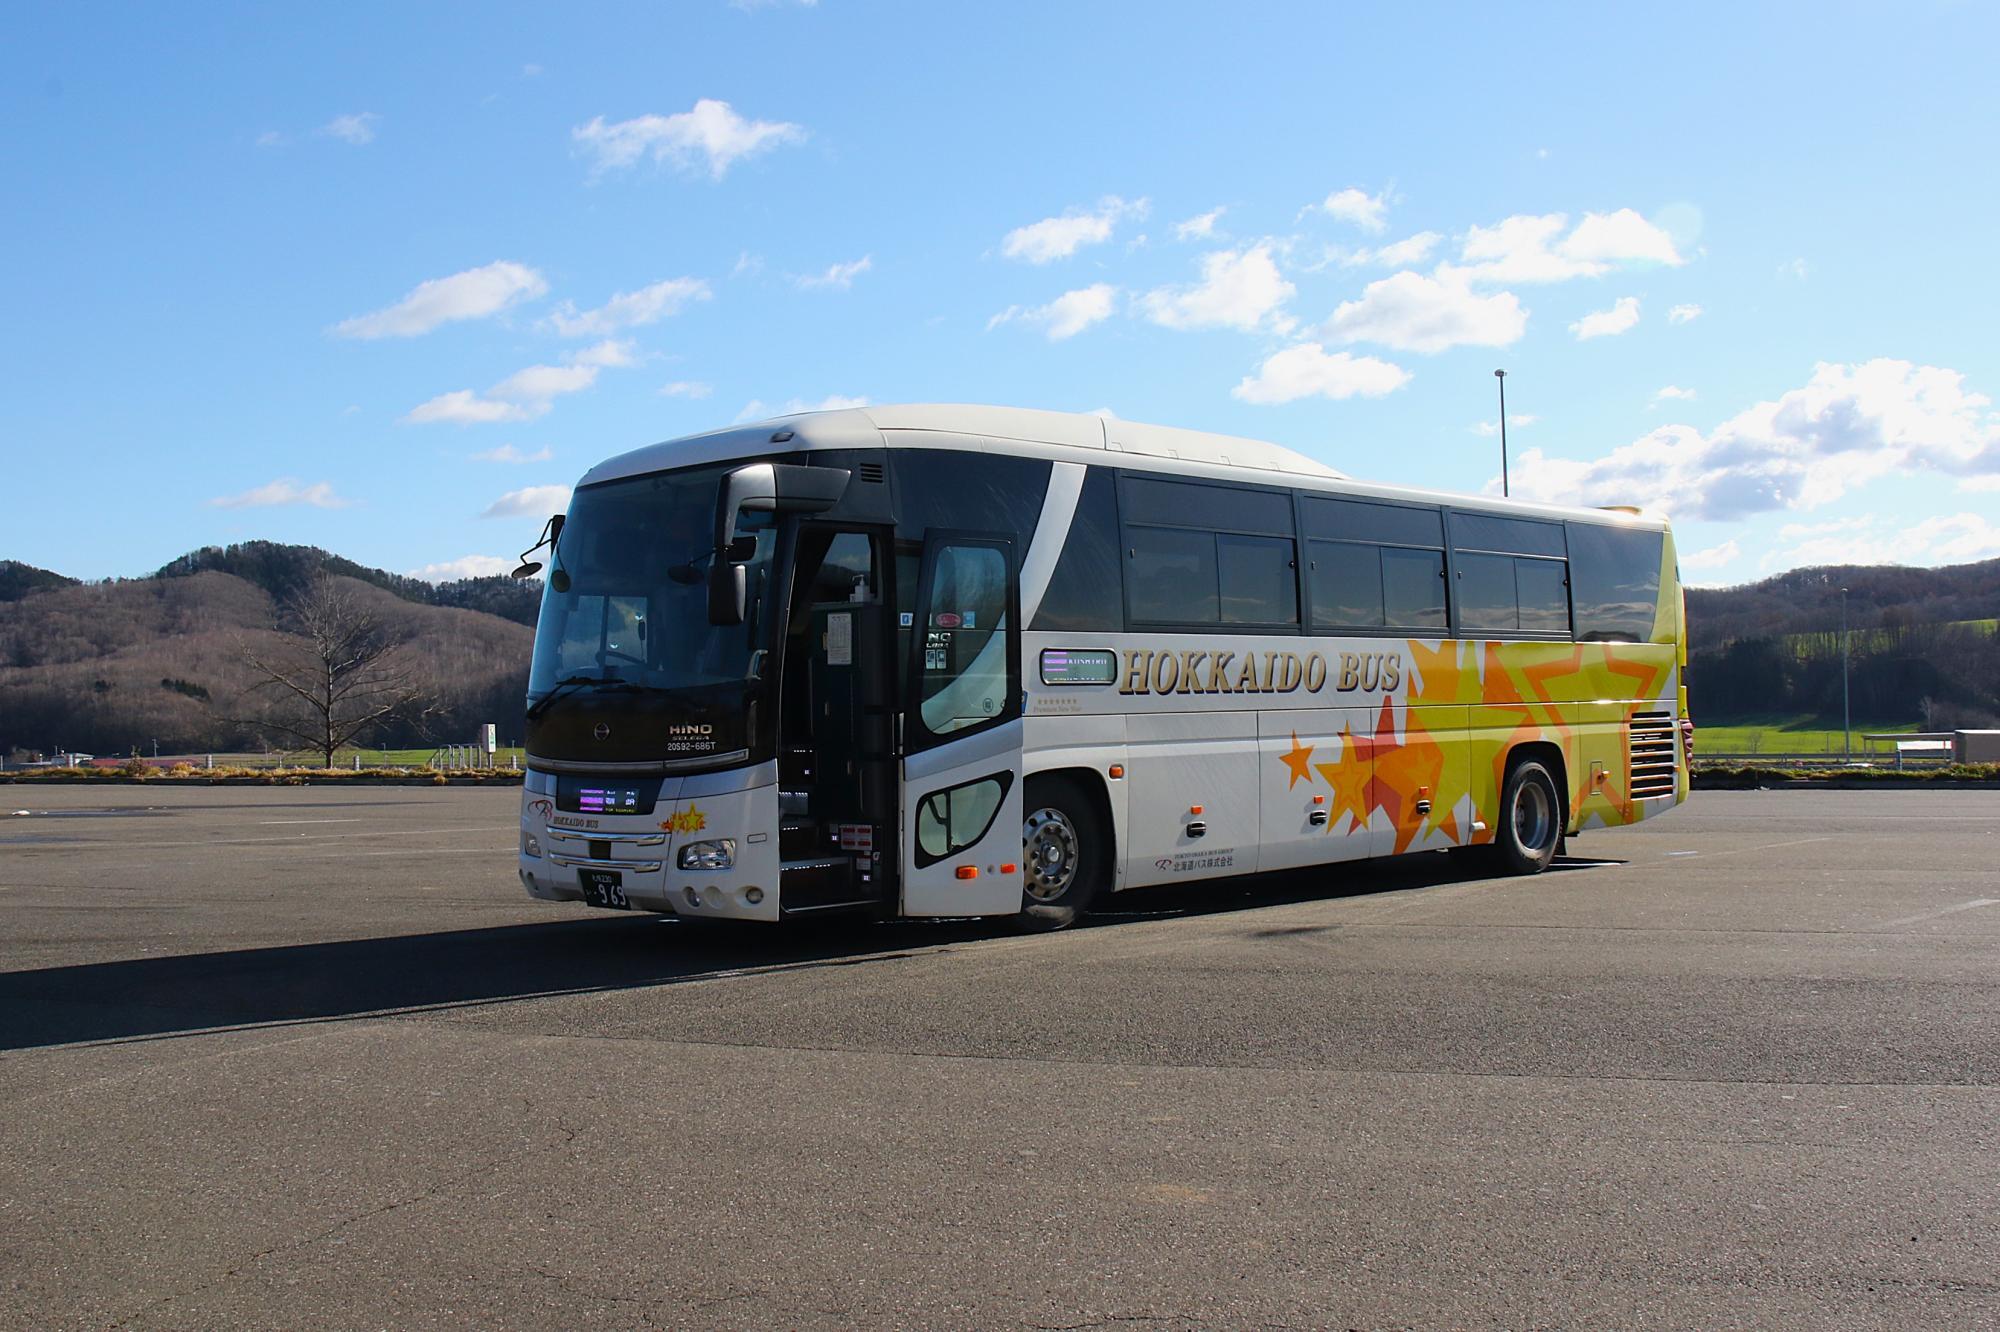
111, 667
1923, 642
282, 570
1806, 601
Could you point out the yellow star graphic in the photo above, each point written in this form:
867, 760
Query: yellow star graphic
1349, 779
1300, 762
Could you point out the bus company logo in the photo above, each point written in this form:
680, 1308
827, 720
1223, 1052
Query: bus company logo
543, 809
689, 820
1221, 672
1182, 864
601, 731
690, 730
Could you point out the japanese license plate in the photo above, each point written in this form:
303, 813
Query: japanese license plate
604, 888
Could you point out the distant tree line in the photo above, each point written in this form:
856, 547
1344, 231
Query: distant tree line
286, 571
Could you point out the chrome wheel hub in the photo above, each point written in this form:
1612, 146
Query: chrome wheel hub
1534, 817
1049, 854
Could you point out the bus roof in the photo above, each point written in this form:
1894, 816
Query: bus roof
1060, 436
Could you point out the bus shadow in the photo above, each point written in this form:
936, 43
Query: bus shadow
163, 996
151, 997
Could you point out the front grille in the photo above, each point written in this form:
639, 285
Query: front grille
1652, 750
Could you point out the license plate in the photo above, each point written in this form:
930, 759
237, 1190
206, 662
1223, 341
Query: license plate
604, 888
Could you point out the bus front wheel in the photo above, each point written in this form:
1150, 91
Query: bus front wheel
1062, 854
1530, 819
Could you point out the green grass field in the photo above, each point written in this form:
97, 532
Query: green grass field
1790, 734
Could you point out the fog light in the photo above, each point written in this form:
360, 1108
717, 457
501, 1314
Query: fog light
753, 895
529, 845
716, 855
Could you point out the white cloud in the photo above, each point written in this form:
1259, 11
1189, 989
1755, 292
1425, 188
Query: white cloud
525, 394
270, 139
473, 294
507, 453
1848, 425
1412, 312
612, 353
1065, 316
1980, 485
537, 500
710, 134
465, 407
1307, 370
1712, 557
756, 409
629, 309
1405, 253
686, 388
1955, 538
839, 277
285, 490
1622, 317
1055, 238
1793, 268
465, 566
1199, 227
1487, 429
1368, 211
1537, 248
1684, 314
357, 128
1673, 393
1238, 289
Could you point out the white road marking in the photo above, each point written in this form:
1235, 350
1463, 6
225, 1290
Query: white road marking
273, 822
1941, 911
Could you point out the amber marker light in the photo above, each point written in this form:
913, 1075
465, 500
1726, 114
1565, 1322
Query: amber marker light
1009, 867
1117, 771
968, 871
1193, 810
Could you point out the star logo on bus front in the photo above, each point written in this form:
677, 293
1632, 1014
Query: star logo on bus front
689, 820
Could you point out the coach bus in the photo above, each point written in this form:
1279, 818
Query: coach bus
977, 661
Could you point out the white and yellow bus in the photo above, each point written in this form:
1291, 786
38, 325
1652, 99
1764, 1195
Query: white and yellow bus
978, 661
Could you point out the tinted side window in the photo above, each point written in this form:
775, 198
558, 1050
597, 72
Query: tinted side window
1486, 592
1346, 585
1256, 578
1221, 508
1615, 582
1413, 589
1514, 536
1362, 520
1086, 591
968, 492
1542, 587
1172, 576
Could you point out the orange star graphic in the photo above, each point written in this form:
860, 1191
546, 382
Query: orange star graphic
1348, 776
1299, 761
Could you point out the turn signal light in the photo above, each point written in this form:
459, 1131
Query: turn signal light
1194, 809
1009, 867
1117, 771
968, 871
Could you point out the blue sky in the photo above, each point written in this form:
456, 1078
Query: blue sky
386, 279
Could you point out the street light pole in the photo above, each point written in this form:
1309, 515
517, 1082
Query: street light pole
1501, 375
1846, 714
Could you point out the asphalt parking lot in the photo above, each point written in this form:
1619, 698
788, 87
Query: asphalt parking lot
308, 1057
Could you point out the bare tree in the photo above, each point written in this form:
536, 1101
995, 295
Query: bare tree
339, 672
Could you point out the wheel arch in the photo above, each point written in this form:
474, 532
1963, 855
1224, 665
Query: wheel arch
1096, 789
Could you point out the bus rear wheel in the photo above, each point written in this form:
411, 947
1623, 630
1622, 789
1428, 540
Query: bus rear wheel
1062, 854
1531, 821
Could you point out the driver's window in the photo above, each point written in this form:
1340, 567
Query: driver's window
963, 680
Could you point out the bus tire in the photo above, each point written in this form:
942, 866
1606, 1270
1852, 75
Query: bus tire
1064, 853
1530, 828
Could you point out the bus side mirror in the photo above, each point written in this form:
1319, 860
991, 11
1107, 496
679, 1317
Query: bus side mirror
728, 593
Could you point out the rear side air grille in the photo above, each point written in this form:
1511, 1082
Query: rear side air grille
1652, 749
871, 472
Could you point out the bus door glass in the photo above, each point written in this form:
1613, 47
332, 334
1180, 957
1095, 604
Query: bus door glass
962, 731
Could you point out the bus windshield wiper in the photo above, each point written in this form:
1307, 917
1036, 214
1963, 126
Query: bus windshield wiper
570, 684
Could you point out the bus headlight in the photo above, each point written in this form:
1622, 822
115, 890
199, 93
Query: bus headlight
530, 845
716, 855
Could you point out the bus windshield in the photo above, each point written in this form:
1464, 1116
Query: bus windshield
625, 620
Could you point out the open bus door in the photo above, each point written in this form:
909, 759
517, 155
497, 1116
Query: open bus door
961, 826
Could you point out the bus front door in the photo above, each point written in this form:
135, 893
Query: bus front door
961, 838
